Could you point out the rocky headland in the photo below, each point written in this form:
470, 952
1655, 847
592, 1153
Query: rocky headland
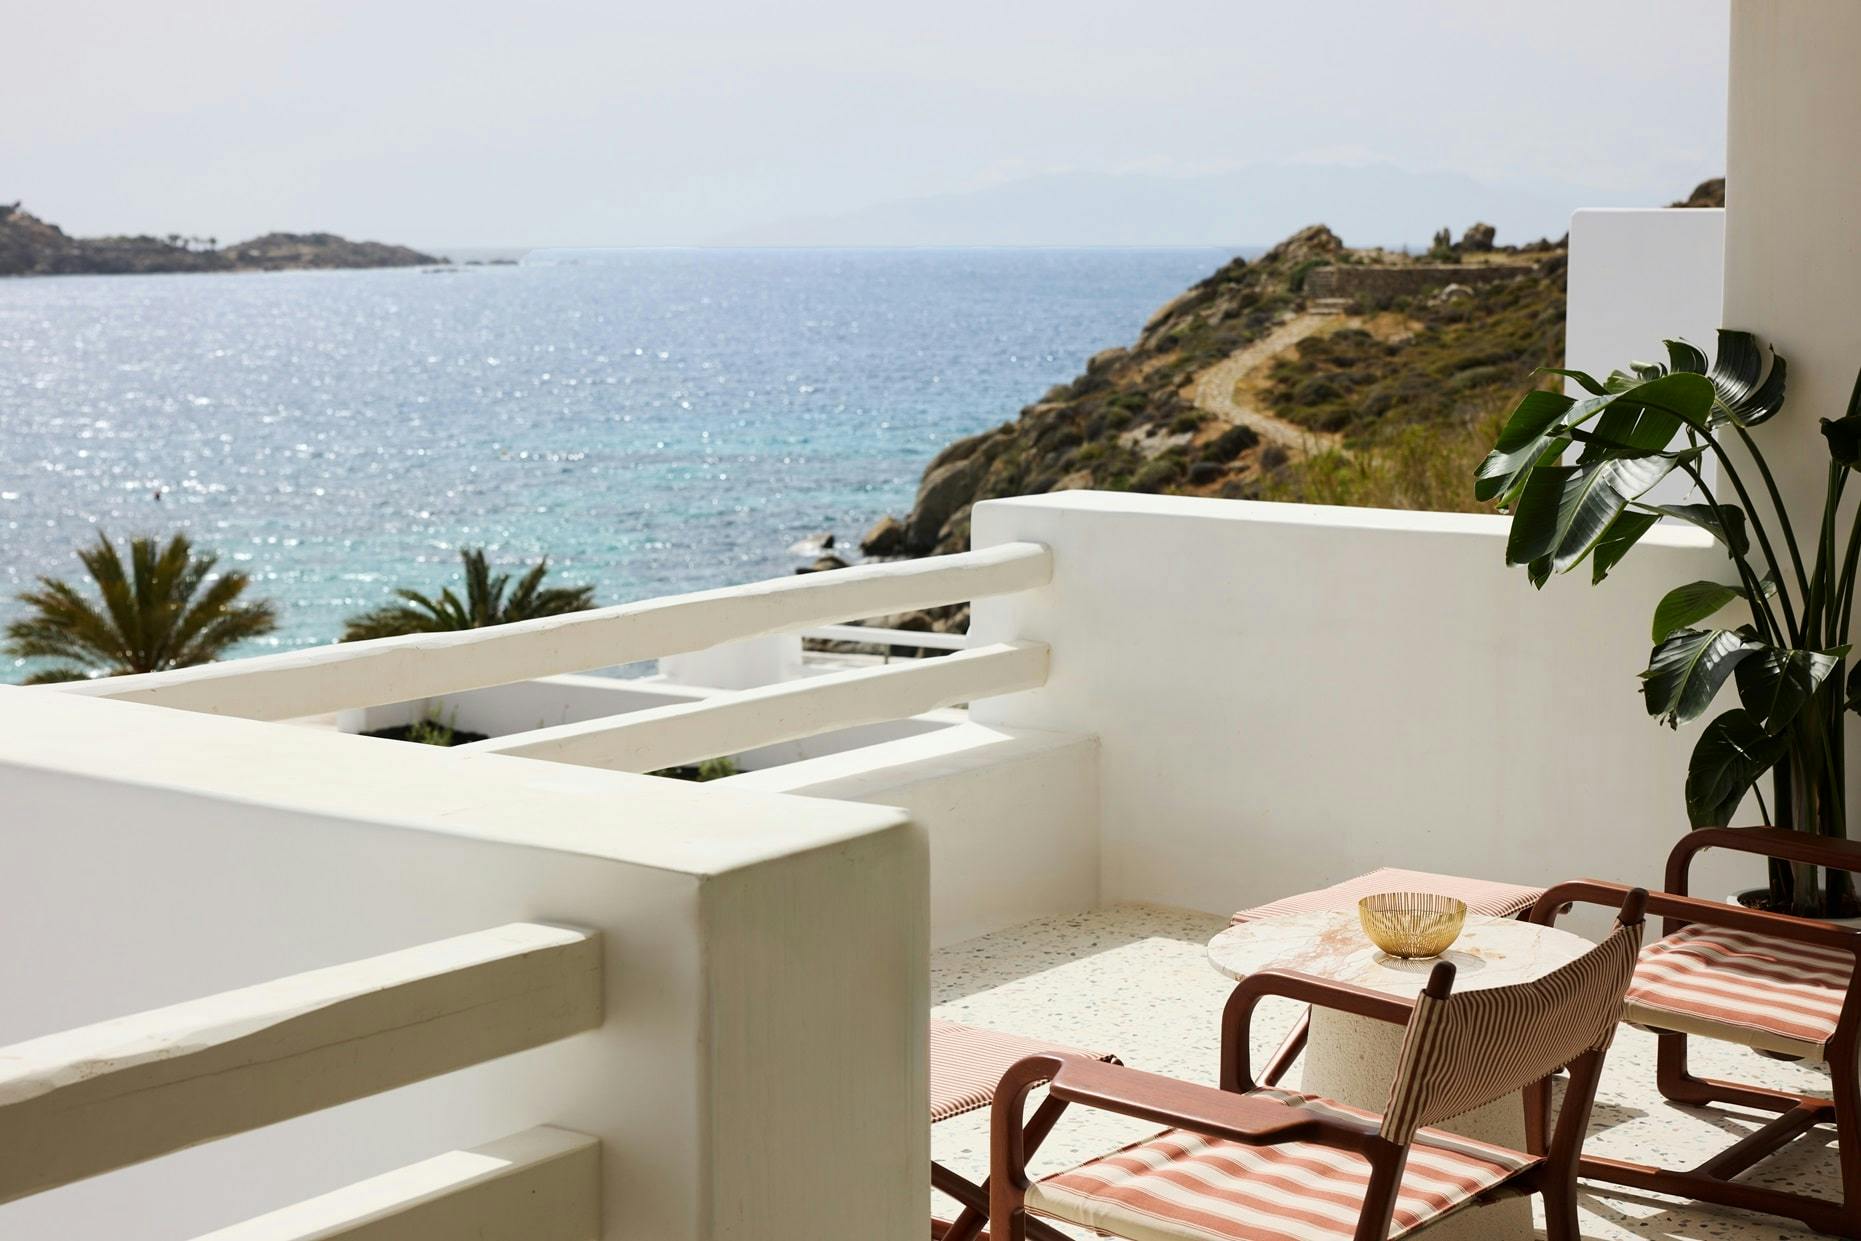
30, 246
1317, 372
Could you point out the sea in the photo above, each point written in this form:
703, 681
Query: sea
652, 421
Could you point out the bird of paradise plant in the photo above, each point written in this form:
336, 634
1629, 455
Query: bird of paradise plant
1630, 431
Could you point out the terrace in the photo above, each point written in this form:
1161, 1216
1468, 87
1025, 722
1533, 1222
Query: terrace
386, 990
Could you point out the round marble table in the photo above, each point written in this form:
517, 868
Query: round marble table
1353, 1059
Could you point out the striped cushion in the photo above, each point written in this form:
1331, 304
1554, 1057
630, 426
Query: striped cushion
1483, 896
966, 1065
1745, 988
1180, 1185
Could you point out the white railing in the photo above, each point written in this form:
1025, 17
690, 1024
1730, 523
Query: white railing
789, 711
388, 670
426, 666
543, 1184
88, 1101
890, 639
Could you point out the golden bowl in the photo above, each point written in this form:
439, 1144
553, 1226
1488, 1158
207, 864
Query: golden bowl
1412, 924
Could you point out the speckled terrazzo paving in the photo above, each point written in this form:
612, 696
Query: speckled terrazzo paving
1135, 980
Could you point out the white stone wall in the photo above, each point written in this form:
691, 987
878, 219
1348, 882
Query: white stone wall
765, 971
1286, 695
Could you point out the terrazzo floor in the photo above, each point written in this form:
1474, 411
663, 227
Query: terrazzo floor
1135, 980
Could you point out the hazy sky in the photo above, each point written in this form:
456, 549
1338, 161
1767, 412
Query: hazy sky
551, 122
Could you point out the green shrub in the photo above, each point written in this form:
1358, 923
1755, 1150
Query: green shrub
1230, 444
1157, 475
1188, 422
1316, 391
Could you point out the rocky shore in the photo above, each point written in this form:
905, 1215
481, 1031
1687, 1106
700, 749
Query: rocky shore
1316, 373
30, 246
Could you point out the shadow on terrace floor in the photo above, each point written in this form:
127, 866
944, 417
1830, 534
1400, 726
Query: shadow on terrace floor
1135, 980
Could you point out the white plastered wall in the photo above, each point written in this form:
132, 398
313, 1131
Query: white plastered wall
765, 971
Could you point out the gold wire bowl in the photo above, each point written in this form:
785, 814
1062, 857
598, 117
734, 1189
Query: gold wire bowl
1412, 924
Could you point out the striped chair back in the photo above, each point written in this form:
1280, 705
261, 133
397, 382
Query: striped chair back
1463, 1051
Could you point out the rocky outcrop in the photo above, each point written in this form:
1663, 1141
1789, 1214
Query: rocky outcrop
886, 538
289, 251
944, 490
1709, 193
1130, 420
1478, 238
30, 246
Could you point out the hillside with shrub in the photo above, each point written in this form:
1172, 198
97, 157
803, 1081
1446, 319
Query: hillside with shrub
1315, 373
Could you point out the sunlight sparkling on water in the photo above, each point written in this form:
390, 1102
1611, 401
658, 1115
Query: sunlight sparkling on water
656, 421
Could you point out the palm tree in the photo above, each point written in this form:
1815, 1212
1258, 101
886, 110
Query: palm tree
485, 603
168, 609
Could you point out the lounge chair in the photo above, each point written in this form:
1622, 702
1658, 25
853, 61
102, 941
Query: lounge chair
966, 1064
1245, 1163
1482, 896
1784, 987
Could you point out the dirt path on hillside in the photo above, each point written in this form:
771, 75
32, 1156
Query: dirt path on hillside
1213, 391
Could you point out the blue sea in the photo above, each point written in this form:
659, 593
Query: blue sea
653, 421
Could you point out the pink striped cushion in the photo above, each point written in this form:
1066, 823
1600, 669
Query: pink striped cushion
1180, 1185
1754, 990
967, 1063
1483, 896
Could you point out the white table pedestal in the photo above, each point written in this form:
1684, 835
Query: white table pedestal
1353, 1060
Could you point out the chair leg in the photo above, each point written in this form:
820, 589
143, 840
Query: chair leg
1845, 1083
1712, 1180
1289, 1051
1560, 1211
1537, 1098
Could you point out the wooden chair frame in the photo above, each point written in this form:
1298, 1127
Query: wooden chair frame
1227, 1113
1712, 1180
971, 1221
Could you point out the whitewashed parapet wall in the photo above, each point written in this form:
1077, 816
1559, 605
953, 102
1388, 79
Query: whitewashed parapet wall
764, 963
1286, 695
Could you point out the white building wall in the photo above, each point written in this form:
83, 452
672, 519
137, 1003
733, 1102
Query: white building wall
1792, 248
1286, 695
1638, 277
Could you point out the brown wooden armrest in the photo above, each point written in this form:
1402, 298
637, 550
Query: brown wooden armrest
1771, 842
1237, 1017
1679, 910
1203, 1109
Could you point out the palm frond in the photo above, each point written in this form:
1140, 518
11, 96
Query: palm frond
488, 599
146, 617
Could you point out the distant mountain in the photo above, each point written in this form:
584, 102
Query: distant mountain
31, 247
1368, 205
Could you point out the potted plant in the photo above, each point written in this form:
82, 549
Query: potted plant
1786, 663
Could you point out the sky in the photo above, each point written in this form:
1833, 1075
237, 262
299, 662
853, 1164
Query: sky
558, 122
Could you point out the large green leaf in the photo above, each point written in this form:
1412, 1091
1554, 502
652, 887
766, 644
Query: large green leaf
1742, 391
1530, 438
1588, 382
1685, 358
1684, 606
1731, 534
1775, 682
1732, 753
1623, 533
1686, 670
1589, 503
1534, 517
